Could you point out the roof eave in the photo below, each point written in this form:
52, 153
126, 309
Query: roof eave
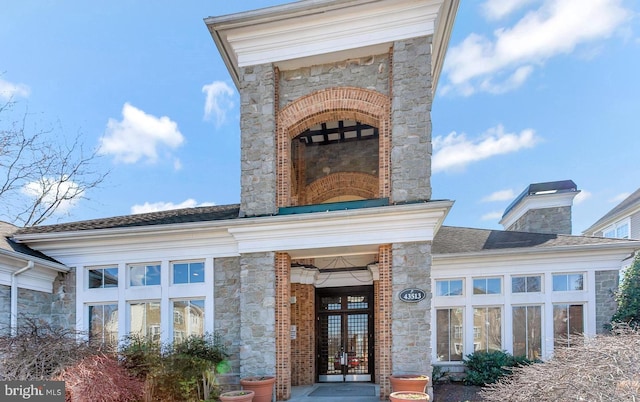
41, 262
630, 246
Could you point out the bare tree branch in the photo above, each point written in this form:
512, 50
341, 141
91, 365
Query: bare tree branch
41, 174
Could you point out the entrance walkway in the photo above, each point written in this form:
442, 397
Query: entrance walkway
336, 392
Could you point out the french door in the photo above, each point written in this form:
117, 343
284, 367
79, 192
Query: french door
345, 334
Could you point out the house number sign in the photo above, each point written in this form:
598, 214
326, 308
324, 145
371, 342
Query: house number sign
412, 295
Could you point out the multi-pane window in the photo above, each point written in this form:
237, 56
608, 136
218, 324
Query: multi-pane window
449, 334
526, 284
144, 274
568, 324
188, 319
188, 272
103, 324
567, 282
527, 331
487, 329
145, 319
487, 286
103, 277
450, 287
619, 230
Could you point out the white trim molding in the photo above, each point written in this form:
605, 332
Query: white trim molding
322, 31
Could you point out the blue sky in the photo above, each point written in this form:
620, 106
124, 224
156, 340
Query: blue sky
532, 91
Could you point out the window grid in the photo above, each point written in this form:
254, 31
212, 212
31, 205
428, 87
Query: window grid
188, 272
100, 278
487, 286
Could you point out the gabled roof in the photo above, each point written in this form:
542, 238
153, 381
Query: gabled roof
18, 250
627, 205
185, 215
455, 240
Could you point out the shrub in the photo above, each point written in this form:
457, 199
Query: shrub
178, 372
487, 367
100, 378
40, 351
603, 368
628, 296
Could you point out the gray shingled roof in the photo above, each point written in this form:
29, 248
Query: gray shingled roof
453, 240
448, 240
185, 215
6, 230
628, 203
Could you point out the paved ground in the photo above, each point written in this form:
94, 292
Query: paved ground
447, 392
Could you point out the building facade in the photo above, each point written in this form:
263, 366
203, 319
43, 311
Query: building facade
335, 265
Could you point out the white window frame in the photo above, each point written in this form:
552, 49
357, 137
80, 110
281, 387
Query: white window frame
449, 286
611, 231
486, 279
189, 262
567, 274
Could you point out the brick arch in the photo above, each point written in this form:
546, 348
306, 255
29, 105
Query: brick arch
332, 104
344, 183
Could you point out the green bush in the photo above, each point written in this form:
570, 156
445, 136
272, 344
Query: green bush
628, 297
487, 367
182, 371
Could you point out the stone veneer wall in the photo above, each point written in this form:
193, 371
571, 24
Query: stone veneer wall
33, 304
63, 300
556, 220
226, 283
303, 347
411, 120
412, 269
258, 142
57, 309
5, 309
371, 72
606, 283
257, 314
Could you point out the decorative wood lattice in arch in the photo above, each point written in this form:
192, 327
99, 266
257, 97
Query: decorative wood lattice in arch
332, 104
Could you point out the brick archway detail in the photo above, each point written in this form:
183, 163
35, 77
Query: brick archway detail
344, 183
331, 104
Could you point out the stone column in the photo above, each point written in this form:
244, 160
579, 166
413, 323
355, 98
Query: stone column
411, 326
411, 120
258, 144
257, 314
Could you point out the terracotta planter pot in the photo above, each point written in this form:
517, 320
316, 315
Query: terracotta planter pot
261, 385
409, 382
405, 396
237, 396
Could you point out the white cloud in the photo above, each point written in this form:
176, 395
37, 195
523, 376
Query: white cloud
492, 216
502, 195
9, 90
455, 151
497, 9
165, 206
581, 197
49, 189
504, 61
139, 136
619, 198
218, 102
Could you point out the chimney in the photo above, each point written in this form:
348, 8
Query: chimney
542, 208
